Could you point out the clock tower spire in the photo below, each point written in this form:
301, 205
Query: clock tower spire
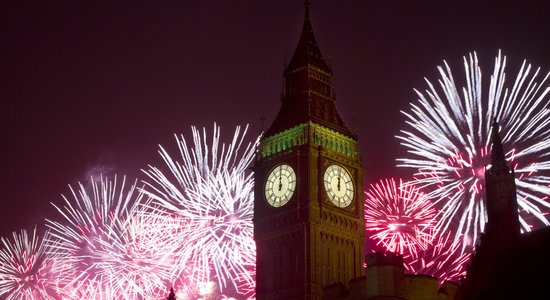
309, 205
308, 93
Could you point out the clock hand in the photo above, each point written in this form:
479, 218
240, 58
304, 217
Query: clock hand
280, 175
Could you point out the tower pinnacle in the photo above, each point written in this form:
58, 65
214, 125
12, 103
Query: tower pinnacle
307, 51
498, 159
307, 92
501, 195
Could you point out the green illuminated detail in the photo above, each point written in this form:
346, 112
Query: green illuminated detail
284, 140
309, 132
333, 140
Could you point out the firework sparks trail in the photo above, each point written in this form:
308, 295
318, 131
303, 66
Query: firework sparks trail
399, 217
24, 268
449, 138
212, 191
443, 260
104, 249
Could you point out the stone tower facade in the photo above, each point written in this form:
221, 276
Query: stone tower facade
384, 276
308, 211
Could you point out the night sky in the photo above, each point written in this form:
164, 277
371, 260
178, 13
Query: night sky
92, 87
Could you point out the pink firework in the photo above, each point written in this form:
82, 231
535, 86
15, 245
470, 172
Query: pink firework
469, 169
443, 259
24, 268
398, 217
104, 248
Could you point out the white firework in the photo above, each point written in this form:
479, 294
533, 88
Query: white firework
25, 268
211, 192
449, 137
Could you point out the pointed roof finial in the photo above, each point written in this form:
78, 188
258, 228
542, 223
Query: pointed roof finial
498, 158
307, 51
172, 295
307, 4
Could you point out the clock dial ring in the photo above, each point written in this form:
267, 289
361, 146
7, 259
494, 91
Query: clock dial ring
280, 185
338, 185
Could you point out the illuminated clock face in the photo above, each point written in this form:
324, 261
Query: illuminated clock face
339, 185
280, 185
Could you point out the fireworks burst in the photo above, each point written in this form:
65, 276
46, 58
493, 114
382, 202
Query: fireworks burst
212, 193
450, 137
104, 250
24, 268
399, 217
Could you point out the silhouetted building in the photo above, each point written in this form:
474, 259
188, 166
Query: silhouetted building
385, 279
506, 264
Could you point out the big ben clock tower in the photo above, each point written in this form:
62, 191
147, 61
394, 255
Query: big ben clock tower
308, 210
